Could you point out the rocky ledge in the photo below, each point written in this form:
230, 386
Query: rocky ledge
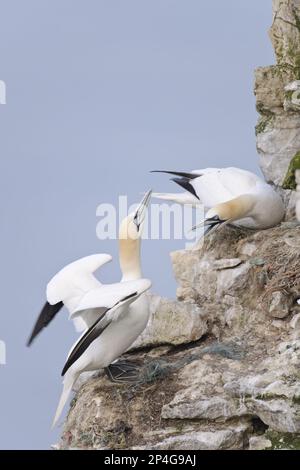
220, 366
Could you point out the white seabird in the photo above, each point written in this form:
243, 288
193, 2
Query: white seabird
111, 334
80, 274
231, 195
115, 314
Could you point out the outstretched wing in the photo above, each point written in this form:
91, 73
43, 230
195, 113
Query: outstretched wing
183, 179
215, 185
47, 314
70, 283
181, 174
219, 185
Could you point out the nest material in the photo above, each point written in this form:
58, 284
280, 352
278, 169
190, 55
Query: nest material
159, 369
282, 270
277, 258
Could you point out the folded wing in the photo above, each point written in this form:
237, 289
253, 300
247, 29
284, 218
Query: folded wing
118, 296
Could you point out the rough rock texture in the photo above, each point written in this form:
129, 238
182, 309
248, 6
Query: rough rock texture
219, 368
277, 90
298, 195
231, 380
259, 443
172, 323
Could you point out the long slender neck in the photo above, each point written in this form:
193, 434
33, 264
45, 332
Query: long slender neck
130, 259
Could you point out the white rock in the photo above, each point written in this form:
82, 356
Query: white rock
234, 315
295, 322
192, 405
298, 195
278, 414
230, 280
247, 249
277, 145
224, 263
293, 86
172, 322
259, 443
280, 305
205, 440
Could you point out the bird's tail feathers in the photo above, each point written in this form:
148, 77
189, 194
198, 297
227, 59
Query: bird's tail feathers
68, 383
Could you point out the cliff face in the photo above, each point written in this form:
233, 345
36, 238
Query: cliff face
220, 366
277, 90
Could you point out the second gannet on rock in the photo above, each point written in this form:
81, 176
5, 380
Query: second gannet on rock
231, 195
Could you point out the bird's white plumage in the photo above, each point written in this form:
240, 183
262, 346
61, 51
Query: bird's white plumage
218, 185
115, 314
113, 299
108, 295
73, 282
123, 323
130, 320
215, 186
80, 324
76, 278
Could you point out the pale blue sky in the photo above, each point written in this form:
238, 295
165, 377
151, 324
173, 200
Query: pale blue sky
99, 93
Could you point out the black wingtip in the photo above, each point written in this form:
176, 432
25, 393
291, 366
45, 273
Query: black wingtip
36, 330
185, 184
181, 174
47, 314
29, 342
66, 367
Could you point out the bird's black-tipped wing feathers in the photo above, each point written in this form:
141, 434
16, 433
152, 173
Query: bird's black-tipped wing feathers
183, 179
47, 314
91, 334
181, 174
185, 183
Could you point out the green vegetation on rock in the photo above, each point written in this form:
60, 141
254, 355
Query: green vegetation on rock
280, 441
262, 124
290, 180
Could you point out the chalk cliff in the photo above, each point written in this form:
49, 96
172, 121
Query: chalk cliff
220, 366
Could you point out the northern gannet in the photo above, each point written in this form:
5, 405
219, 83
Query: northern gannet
81, 272
124, 316
231, 195
114, 315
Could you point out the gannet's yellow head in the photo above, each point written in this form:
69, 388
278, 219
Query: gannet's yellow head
130, 233
227, 212
132, 226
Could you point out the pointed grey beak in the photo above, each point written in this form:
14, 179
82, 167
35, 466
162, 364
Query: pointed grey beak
141, 211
